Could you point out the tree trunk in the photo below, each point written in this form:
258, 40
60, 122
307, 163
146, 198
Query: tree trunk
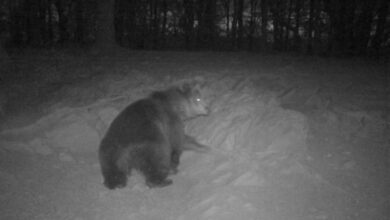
200, 16
105, 36
278, 24
240, 22
252, 23
264, 22
288, 26
42, 15
33, 22
164, 8
62, 21
331, 10
349, 34
80, 27
234, 25
188, 26
227, 15
211, 16
310, 28
131, 26
363, 27
379, 35
155, 27
50, 24
298, 9
142, 15
338, 26
318, 29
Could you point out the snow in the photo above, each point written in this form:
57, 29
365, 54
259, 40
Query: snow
291, 137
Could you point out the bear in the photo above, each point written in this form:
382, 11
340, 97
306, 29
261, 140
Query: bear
148, 136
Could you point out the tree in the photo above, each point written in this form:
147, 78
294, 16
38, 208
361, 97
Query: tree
238, 23
252, 22
105, 35
344, 26
62, 20
164, 8
310, 28
277, 10
154, 26
3, 31
33, 22
363, 27
264, 22
298, 9
206, 15
80, 22
188, 20
226, 6
379, 35
288, 25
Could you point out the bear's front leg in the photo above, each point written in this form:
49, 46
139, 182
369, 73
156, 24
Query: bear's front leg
175, 160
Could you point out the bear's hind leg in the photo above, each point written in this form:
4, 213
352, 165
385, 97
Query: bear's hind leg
115, 179
114, 170
158, 165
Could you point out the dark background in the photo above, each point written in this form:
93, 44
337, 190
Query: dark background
326, 27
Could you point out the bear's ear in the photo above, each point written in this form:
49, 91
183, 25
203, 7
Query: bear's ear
186, 88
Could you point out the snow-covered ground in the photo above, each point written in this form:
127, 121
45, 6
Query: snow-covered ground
292, 137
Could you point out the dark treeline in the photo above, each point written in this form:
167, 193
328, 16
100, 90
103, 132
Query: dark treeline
355, 27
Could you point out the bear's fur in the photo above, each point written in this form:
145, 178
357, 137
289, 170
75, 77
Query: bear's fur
148, 135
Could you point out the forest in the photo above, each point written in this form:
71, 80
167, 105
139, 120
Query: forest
334, 27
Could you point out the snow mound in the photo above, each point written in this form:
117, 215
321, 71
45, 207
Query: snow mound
244, 122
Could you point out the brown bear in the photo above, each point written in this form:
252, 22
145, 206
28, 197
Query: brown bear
148, 135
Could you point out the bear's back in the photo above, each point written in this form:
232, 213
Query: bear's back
136, 123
